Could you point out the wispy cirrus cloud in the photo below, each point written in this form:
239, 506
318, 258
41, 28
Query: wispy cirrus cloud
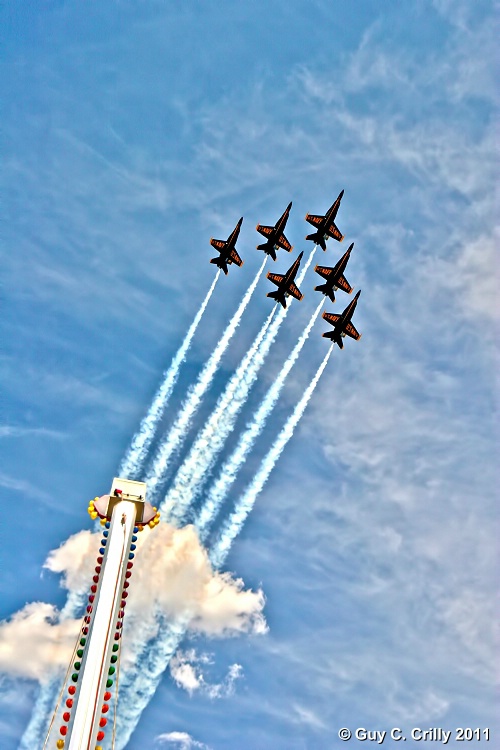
404, 503
17, 431
18, 484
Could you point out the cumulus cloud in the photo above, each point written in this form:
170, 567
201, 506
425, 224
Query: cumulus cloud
33, 644
75, 559
187, 668
173, 579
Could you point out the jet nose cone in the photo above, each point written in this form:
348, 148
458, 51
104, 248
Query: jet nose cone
289, 207
357, 295
300, 255
350, 247
341, 195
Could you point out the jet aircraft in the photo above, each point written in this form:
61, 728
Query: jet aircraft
286, 284
334, 277
342, 324
325, 225
275, 236
227, 249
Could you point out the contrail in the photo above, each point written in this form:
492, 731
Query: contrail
233, 525
138, 684
227, 475
133, 460
130, 466
142, 680
176, 434
210, 441
167, 644
40, 717
211, 438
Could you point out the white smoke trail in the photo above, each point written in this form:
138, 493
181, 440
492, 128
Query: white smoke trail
233, 525
45, 700
176, 434
227, 475
211, 438
141, 684
167, 645
133, 460
138, 686
210, 441
40, 717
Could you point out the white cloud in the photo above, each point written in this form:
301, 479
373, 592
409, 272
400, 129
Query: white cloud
304, 715
185, 675
417, 705
400, 432
24, 486
472, 616
187, 669
34, 645
475, 275
75, 559
15, 431
403, 432
181, 740
173, 579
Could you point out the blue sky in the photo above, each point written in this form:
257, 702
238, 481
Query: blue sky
132, 133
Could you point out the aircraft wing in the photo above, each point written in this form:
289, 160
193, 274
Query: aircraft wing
235, 258
334, 209
283, 242
314, 219
266, 231
352, 332
323, 271
331, 318
295, 291
343, 284
218, 244
276, 278
334, 232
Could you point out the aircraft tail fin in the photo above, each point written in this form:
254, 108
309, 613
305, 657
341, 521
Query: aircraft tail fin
336, 339
278, 297
269, 249
324, 288
220, 263
318, 239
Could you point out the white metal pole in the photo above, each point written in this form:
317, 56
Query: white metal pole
95, 667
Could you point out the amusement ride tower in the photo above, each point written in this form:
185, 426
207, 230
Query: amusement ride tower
95, 663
